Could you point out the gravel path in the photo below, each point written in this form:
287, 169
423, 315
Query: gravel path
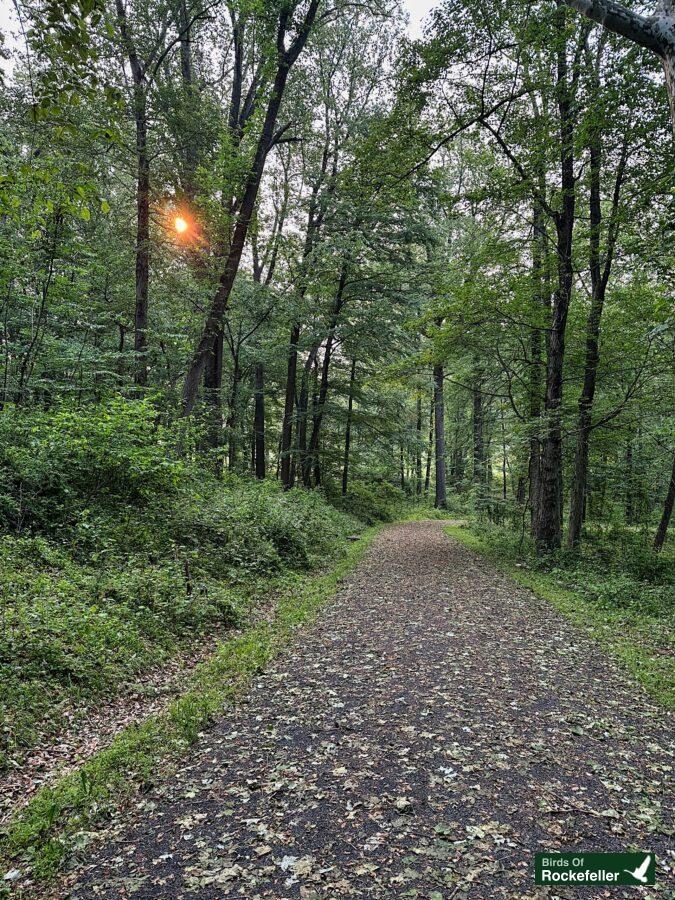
432, 730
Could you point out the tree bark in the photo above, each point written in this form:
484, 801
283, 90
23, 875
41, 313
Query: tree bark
430, 446
220, 302
548, 520
656, 33
312, 449
348, 427
479, 461
259, 422
441, 501
418, 449
661, 531
599, 280
289, 410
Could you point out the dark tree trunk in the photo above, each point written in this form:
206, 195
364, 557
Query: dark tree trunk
599, 280
348, 428
302, 411
630, 516
221, 298
478, 433
142, 243
661, 531
418, 449
213, 379
548, 523
289, 410
441, 501
430, 449
259, 422
312, 450
541, 302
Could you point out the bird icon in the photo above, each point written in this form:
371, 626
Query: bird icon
640, 874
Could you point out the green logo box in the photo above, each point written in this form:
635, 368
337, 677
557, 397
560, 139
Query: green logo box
578, 869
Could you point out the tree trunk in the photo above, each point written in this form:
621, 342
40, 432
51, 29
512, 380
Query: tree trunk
599, 280
418, 446
656, 33
312, 450
348, 428
142, 243
248, 201
548, 524
430, 447
629, 482
661, 531
259, 422
535, 386
213, 378
289, 410
479, 461
441, 501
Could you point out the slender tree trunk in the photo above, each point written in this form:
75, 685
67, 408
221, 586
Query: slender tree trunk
289, 410
418, 449
259, 422
629, 482
548, 532
478, 429
439, 421
312, 450
599, 280
430, 447
348, 427
221, 298
142, 242
213, 378
535, 387
661, 531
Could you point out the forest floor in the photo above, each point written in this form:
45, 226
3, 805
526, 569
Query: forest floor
434, 728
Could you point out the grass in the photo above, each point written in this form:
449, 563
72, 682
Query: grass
59, 817
615, 609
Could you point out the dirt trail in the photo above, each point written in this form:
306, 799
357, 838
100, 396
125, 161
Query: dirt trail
433, 729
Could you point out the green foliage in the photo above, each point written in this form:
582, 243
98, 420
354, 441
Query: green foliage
118, 551
49, 826
55, 466
372, 501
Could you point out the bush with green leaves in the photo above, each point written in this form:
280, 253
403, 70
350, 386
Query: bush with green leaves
117, 551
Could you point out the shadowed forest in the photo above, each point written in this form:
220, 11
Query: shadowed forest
275, 273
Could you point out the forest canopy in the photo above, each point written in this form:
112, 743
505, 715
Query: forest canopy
331, 255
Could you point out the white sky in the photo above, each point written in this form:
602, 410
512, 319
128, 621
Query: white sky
417, 9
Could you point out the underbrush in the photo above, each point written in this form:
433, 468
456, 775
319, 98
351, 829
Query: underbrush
616, 587
117, 552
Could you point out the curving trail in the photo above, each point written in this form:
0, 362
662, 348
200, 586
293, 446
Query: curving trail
434, 728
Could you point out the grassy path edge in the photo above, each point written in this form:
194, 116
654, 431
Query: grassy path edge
629, 643
56, 820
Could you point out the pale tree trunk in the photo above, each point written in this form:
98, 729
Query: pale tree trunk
656, 33
439, 423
